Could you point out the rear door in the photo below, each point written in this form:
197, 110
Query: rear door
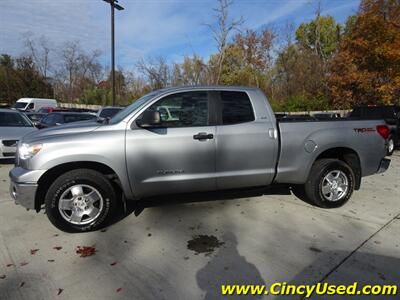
246, 152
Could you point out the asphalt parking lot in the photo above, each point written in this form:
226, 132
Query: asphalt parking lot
186, 250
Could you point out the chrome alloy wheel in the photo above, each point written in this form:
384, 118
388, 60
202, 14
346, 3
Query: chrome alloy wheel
390, 145
335, 185
80, 204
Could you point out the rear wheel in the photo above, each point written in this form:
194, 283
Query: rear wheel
330, 183
80, 200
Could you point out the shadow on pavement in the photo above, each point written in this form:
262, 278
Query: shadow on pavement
137, 207
228, 267
363, 268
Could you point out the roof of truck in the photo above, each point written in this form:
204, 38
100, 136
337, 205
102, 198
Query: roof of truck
207, 87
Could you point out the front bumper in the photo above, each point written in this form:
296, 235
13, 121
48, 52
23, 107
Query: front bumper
23, 193
384, 165
23, 186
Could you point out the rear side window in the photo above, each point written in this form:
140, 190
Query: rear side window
236, 108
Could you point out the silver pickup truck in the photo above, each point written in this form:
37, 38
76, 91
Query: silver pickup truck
190, 139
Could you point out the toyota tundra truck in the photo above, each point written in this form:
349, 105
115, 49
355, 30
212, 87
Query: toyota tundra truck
185, 140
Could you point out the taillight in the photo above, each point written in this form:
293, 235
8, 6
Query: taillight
383, 130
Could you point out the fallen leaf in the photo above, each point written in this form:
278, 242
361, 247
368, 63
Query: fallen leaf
113, 264
23, 264
22, 284
60, 291
119, 289
3, 276
85, 251
33, 251
57, 248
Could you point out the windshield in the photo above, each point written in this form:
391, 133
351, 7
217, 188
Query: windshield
20, 105
13, 119
131, 108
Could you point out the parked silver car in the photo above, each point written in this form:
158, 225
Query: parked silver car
13, 126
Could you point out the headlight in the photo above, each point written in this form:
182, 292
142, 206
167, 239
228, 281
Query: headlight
26, 151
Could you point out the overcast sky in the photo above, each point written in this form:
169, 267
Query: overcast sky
146, 28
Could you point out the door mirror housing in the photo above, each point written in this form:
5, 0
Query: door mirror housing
149, 119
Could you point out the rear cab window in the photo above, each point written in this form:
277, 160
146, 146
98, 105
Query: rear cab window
236, 108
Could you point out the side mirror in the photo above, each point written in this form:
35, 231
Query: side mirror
149, 119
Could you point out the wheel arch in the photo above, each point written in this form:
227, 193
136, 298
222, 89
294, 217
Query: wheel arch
53, 173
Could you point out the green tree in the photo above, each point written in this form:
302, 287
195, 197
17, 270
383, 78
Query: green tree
20, 78
321, 35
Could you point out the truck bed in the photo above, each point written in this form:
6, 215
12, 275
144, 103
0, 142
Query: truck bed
302, 141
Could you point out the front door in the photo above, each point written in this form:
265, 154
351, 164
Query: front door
177, 156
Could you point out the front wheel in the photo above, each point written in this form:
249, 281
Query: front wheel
80, 200
330, 183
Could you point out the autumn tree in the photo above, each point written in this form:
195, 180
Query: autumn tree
78, 70
248, 59
367, 68
192, 71
156, 71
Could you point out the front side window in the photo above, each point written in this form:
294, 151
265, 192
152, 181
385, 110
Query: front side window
188, 109
236, 108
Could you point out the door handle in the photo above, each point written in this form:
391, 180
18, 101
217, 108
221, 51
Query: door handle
203, 136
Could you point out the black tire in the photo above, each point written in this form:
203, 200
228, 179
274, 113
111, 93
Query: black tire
316, 179
390, 146
89, 179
